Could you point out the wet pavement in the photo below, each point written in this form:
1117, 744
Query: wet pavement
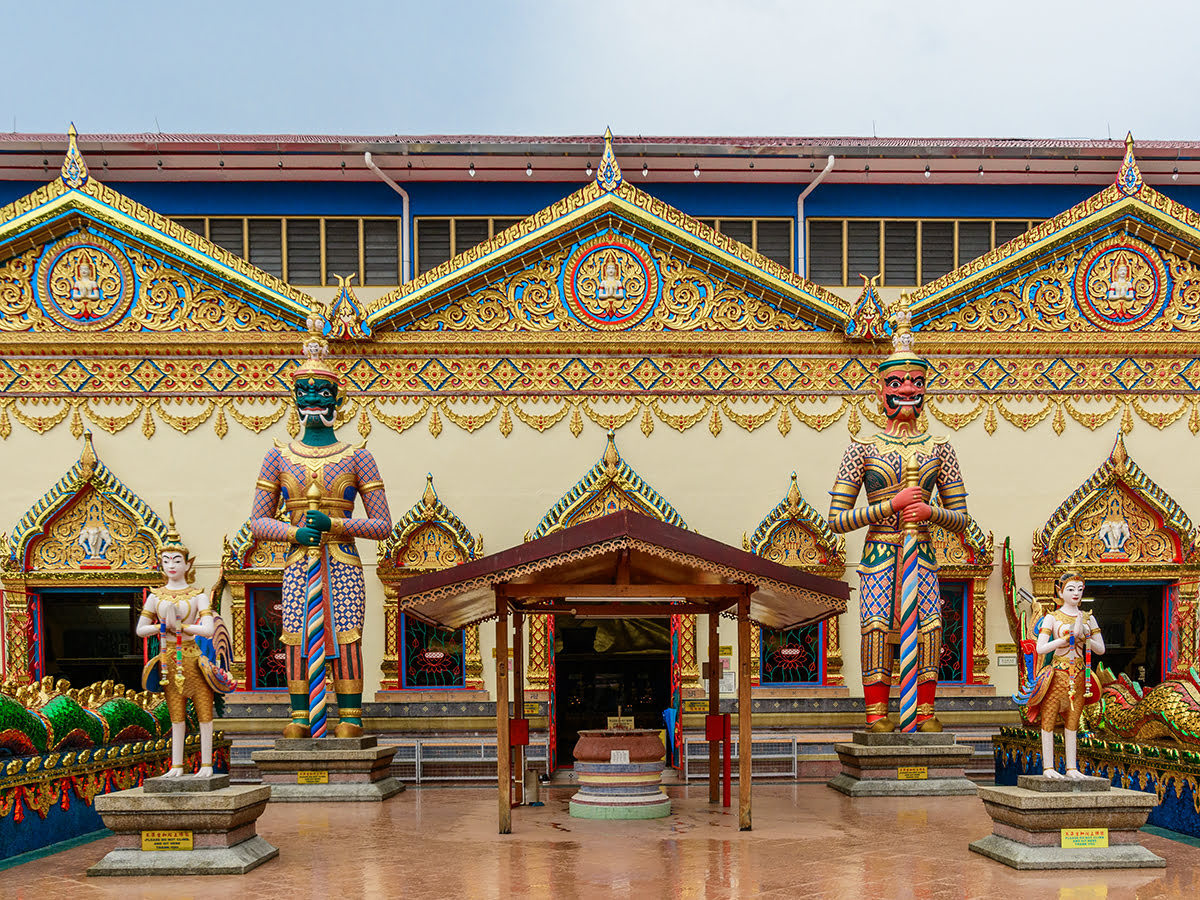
808, 841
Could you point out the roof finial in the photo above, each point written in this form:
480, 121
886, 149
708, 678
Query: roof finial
1129, 179
612, 459
429, 498
793, 497
1119, 455
74, 169
608, 173
87, 459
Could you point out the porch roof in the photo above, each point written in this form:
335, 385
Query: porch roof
625, 561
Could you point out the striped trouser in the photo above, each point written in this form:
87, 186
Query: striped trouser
347, 669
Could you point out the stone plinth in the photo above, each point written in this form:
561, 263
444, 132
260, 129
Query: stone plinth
218, 819
619, 773
328, 769
903, 765
1028, 822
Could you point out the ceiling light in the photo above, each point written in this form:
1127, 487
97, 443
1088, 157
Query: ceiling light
589, 169
645, 170
981, 171
926, 170
1175, 174
529, 169
696, 171
471, 170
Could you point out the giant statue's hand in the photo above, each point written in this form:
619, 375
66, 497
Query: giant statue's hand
920, 511
317, 520
308, 537
906, 497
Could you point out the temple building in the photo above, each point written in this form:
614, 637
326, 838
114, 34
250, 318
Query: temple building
535, 332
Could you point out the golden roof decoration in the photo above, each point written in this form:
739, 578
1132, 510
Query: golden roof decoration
430, 511
1118, 470
868, 322
88, 472
776, 536
74, 169
1129, 178
609, 486
608, 173
345, 313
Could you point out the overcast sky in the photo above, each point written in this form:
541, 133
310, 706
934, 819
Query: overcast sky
689, 67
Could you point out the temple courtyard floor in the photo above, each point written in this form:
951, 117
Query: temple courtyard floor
439, 843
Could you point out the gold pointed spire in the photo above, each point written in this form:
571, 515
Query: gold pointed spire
793, 498
173, 541
1129, 178
903, 351
608, 173
429, 498
1119, 455
74, 169
612, 459
88, 458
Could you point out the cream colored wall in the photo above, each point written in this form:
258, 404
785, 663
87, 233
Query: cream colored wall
500, 486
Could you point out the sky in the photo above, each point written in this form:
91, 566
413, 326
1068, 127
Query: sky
1048, 69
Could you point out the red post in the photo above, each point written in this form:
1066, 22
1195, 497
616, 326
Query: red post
728, 774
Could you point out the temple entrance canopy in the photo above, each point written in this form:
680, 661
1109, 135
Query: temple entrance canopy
621, 565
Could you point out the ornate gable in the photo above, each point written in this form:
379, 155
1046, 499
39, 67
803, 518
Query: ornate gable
1126, 259
427, 538
1117, 518
609, 258
795, 534
246, 554
971, 548
609, 486
89, 522
76, 256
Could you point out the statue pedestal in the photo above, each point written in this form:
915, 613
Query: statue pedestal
1048, 823
184, 826
903, 765
309, 770
619, 774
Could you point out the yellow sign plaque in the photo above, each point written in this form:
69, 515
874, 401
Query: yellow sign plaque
531, 709
1002, 649
166, 840
725, 650
695, 706
620, 722
312, 777
1084, 838
912, 773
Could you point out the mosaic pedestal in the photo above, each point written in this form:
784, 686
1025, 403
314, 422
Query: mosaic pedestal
217, 819
903, 765
1032, 821
619, 772
306, 770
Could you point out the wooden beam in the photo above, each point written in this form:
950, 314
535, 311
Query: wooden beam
714, 707
518, 679
616, 609
690, 591
623, 567
502, 747
744, 716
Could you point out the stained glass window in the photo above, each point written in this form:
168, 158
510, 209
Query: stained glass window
432, 657
269, 658
792, 656
954, 616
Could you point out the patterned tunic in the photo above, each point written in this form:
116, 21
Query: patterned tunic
877, 465
344, 472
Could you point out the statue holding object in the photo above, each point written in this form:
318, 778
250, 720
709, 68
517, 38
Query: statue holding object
900, 469
1064, 682
324, 593
193, 645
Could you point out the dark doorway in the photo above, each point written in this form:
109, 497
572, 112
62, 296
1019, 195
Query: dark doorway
603, 666
88, 635
1130, 616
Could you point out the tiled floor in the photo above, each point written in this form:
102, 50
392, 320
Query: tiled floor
808, 841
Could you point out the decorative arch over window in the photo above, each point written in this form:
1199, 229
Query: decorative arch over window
254, 573
795, 534
427, 538
1119, 526
608, 487
89, 531
965, 563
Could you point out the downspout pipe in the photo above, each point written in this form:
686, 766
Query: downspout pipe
802, 268
405, 243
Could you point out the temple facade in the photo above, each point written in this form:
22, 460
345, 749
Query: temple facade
533, 333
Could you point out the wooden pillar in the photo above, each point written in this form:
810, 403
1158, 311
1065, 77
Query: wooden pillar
744, 732
503, 757
518, 678
714, 704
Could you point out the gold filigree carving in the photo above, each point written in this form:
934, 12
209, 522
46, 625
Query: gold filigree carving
95, 534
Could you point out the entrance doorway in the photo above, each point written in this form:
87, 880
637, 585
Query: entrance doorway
88, 635
1130, 616
606, 666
